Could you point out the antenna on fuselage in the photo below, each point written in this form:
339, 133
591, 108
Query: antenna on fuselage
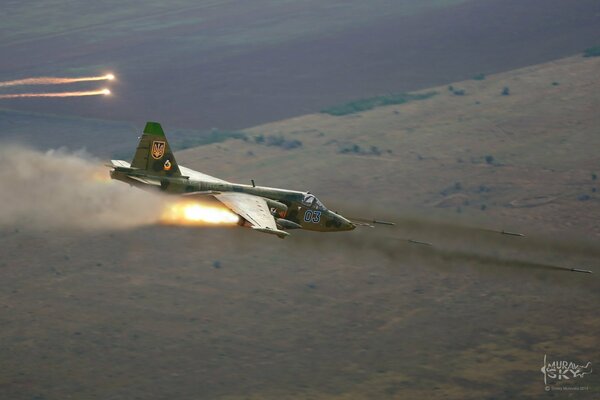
253, 184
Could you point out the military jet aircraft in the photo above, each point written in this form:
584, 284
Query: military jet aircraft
265, 209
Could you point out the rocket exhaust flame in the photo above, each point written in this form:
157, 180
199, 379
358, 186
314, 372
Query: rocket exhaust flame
100, 92
194, 213
49, 80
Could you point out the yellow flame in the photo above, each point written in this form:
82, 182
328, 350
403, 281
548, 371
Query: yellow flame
51, 80
195, 213
57, 94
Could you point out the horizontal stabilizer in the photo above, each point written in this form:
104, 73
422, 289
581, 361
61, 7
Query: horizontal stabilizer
146, 180
122, 166
119, 163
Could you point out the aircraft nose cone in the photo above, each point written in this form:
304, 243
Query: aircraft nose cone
347, 225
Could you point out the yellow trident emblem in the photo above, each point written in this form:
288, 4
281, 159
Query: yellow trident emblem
158, 149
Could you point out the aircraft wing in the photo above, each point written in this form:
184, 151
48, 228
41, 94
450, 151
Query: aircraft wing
253, 209
199, 176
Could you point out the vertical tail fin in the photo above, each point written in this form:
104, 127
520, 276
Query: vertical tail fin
154, 154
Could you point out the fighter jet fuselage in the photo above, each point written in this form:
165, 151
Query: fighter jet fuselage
266, 209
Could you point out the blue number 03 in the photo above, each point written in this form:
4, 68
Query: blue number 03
312, 216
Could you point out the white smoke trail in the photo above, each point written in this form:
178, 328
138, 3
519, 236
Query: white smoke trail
59, 94
50, 80
59, 190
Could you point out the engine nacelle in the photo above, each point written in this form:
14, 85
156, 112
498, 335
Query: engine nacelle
286, 224
280, 208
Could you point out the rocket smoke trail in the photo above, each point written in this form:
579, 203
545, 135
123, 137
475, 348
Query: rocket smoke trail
58, 190
444, 243
69, 191
59, 94
49, 80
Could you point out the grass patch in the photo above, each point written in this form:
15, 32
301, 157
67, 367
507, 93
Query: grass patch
592, 52
456, 91
354, 148
277, 141
360, 105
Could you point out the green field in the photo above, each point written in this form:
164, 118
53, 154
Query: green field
271, 22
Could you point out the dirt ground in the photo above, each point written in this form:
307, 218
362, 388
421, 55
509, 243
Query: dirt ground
157, 312
164, 312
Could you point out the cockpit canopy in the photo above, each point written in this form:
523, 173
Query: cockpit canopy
311, 201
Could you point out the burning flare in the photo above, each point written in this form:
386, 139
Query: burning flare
194, 213
104, 92
50, 80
